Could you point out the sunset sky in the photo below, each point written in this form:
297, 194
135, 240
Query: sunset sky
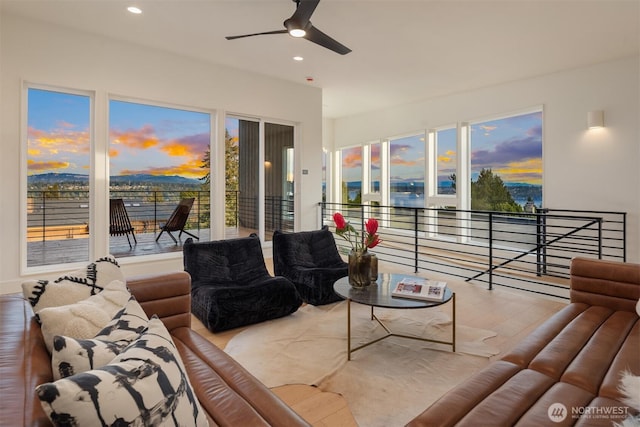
143, 139
146, 139
511, 147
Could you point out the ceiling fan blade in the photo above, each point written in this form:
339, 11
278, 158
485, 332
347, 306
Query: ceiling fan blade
318, 37
303, 12
256, 34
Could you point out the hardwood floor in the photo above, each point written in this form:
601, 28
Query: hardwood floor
511, 314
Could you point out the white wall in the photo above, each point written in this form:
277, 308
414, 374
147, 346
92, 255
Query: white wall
40, 53
595, 170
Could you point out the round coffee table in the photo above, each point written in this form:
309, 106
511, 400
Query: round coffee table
378, 294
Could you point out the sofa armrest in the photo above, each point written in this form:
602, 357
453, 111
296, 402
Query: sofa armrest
611, 284
167, 295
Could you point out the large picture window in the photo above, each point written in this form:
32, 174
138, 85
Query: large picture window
407, 171
506, 163
58, 170
159, 160
351, 175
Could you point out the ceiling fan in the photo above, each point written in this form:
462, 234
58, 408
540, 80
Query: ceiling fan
299, 25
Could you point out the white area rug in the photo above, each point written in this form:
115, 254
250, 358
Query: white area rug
385, 384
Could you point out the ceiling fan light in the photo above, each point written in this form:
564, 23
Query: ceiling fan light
297, 32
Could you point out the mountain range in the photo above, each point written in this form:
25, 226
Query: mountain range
60, 178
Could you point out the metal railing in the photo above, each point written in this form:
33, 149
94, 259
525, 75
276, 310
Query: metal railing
60, 219
527, 251
64, 214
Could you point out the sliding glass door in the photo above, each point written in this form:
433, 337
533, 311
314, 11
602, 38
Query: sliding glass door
259, 174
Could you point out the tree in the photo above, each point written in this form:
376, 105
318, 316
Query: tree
231, 163
489, 193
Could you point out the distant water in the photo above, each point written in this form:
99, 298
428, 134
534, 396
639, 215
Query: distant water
417, 200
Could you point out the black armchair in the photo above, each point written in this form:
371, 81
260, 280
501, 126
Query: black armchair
310, 259
231, 286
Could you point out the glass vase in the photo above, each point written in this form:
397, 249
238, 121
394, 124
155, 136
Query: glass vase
359, 269
374, 267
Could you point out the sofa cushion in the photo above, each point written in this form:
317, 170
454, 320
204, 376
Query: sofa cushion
83, 319
74, 286
146, 384
71, 356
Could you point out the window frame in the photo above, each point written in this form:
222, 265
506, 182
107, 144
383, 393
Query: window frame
26, 86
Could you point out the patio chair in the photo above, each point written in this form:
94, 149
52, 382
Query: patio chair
178, 220
310, 259
231, 286
119, 223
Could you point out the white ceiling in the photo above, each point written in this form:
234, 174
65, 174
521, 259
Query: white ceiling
403, 51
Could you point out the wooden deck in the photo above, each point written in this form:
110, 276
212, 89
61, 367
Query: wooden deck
71, 250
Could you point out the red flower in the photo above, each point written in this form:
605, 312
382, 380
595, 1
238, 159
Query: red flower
345, 230
372, 227
373, 240
341, 223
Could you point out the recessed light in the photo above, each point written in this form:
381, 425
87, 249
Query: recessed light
134, 9
298, 58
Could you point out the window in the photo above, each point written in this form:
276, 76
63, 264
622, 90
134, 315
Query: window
352, 175
506, 163
58, 170
446, 155
158, 156
407, 171
375, 174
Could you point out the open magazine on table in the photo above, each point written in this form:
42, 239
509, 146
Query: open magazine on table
423, 289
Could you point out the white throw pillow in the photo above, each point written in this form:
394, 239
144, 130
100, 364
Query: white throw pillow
74, 286
85, 318
70, 356
146, 384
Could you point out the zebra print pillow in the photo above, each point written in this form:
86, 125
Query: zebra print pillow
146, 384
72, 287
71, 356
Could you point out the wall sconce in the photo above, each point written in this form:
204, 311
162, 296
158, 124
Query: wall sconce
595, 119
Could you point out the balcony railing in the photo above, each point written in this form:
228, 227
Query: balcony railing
58, 221
530, 251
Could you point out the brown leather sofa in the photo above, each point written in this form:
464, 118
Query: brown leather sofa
227, 392
568, 370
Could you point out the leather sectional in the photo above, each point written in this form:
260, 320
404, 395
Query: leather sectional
229, 394
568, 371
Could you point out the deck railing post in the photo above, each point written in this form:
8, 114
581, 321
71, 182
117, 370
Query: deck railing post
415, 239
490, 251
600, 239
155, 210
538, 245
44, 216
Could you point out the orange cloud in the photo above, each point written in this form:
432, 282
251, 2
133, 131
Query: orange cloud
448, 157
142, 138
528, 171
43, 143
113, 152
33, 165
352, 160
174, 148
190, 169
